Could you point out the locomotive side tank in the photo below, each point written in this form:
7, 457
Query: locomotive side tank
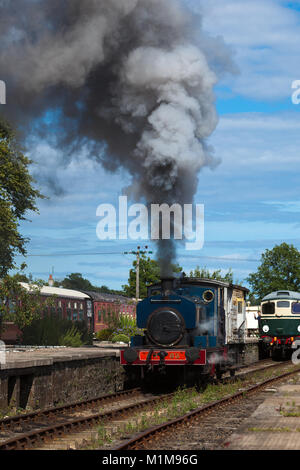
193, 328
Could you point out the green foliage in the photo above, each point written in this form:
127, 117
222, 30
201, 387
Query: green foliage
71, 338
118, 324
85, 333
104, 335
111, 319
17, 196
120, 338
149, 274
279, 270
19, 306
77, 282
206, 274
127, 326
127, 321
54, 331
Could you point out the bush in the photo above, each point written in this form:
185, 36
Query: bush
104, 335
85, 333
120, 339
50, 331
127, 326
71, 338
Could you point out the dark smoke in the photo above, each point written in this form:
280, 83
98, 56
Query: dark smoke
135, 76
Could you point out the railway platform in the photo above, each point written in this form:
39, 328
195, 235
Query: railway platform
275, 424
38, 377
24, 357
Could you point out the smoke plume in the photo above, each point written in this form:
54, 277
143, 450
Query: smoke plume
131, 80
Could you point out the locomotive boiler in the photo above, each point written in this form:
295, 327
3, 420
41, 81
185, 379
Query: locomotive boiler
193, 328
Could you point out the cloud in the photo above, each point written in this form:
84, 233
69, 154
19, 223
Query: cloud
262, 34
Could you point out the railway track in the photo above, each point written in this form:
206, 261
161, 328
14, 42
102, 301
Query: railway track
39, 428
25, 431
149, 437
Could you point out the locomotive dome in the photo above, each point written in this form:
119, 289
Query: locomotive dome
282, 294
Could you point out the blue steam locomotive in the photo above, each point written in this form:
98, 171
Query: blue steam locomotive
194, 328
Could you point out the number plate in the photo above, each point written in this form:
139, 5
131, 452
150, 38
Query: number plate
171, 356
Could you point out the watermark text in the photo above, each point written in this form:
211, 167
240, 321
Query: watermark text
165, 222
2, 92
2, 353
296, 93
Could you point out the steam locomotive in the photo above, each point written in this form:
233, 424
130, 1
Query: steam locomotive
194, 328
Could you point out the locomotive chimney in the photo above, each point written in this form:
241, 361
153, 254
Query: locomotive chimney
167, 284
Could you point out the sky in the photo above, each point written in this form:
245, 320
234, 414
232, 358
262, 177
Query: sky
251, 198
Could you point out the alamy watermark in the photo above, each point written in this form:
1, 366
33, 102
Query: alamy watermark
296, 93
296, 354
165, 222
2, 353
2, 92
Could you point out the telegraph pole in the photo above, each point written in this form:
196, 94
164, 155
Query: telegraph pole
137, 270
137, 281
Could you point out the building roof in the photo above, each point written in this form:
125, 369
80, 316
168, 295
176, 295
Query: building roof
59, 291
282, 294
104, 297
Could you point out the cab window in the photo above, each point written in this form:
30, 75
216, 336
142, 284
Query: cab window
268, 309
283, 304
296, 307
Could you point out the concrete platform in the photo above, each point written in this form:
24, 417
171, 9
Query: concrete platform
275, 424
39, 377
16, 358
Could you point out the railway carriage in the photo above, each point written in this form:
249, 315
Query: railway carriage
65, 303
91, 307
106, 305
279, 322
194, 328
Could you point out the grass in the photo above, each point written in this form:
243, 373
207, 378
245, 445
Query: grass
183, 401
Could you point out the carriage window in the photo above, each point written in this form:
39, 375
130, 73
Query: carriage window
296, 307
81, 312
240, 307
283, 304
52, 309
69, 311
75, 312
59, 309
268, 309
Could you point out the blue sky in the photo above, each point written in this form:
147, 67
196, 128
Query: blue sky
251, 198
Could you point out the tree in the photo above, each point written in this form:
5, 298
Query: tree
217, 275
75, 281
17, 196
279, 269
18, 305
149, 274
